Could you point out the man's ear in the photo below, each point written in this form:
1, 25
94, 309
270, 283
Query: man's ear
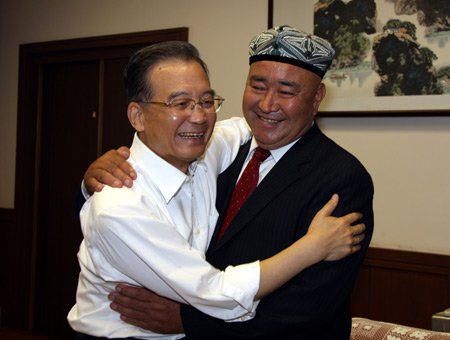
320, 94
135, 116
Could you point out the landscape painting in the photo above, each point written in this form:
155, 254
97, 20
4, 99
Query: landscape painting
391, 55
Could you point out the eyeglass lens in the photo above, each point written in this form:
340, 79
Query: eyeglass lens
185, 106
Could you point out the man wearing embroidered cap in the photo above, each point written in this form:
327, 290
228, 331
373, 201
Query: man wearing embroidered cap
281, 99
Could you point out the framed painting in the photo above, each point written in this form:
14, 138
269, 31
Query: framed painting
392, 56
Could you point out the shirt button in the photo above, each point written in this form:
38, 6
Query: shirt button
197, 231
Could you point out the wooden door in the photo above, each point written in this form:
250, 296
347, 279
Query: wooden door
68, 143
116, 130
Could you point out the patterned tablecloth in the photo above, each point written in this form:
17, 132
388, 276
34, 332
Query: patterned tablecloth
365, 329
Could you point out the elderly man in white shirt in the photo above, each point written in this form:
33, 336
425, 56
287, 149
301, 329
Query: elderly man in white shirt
155, 233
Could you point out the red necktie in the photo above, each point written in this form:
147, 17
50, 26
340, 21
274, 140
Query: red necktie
245, 186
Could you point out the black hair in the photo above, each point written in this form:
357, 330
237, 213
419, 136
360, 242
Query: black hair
137, 88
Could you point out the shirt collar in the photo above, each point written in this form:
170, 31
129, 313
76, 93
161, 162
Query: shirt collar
277, 153
166, 177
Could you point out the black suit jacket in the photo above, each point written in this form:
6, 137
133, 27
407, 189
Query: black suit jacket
316, 303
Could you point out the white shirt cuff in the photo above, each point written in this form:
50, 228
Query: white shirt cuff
242, 284
84, 191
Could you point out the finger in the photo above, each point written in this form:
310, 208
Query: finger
329, 207
128, 312
358, 229
94, 177
134, 322
123, 152
357, 239
116, 176
126, 302
92, 185
126, 174
355, 248
352, 217
136, 293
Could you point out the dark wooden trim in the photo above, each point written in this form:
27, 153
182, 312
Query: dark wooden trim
113, 40
92, 48
402, 287
387, 113
399, 258
270, 16
14, 334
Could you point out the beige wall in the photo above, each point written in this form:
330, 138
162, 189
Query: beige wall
407, 157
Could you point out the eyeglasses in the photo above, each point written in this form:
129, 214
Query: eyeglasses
186, 106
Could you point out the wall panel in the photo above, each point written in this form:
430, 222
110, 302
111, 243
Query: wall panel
402, 287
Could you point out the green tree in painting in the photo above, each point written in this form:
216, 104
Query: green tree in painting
434, 15
395, 25
343, 24
404, 68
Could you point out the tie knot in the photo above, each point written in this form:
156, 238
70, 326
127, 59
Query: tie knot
261, 154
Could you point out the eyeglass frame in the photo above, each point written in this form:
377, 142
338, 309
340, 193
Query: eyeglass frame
199, 103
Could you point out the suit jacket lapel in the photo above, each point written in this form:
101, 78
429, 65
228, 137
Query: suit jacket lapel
288, 169
225, 187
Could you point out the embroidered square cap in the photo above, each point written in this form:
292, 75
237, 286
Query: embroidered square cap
286, 44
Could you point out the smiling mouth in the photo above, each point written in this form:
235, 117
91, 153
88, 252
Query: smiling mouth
268, 120
191, 135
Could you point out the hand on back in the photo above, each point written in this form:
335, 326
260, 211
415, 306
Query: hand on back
110, 169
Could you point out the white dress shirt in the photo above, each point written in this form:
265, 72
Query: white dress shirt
155, 235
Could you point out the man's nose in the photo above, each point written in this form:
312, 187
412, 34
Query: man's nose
198, 115
269, 102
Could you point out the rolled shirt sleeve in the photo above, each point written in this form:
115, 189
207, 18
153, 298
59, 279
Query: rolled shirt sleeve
131, 244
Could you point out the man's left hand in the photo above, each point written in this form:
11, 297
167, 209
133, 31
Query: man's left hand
143, 308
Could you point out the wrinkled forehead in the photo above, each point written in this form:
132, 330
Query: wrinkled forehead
174, 78
178, 67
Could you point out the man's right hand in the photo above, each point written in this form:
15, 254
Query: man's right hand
111, 169
337, 237
145, 309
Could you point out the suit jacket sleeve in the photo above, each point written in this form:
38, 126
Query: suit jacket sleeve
316, 303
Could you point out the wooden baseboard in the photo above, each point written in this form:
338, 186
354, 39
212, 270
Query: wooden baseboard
402, 287
14, 334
